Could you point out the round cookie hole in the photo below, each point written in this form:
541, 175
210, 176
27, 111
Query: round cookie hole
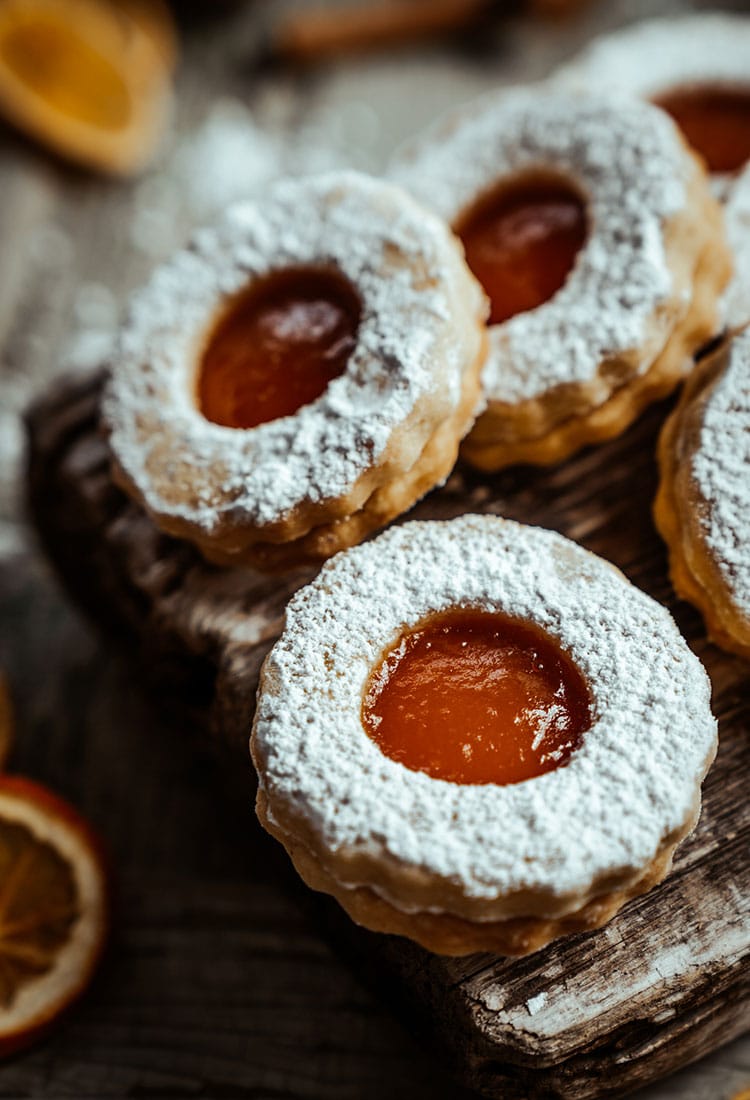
715, 121
277, 347
521, 242
476, 697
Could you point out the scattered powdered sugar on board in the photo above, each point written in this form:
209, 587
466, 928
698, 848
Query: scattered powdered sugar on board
634, 781
534, 1004
629, 163
721, 469
42, 265
225, 159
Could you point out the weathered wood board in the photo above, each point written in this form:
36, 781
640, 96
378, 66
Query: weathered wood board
592, 1016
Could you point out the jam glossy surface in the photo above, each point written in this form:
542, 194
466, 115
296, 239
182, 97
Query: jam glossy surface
715, 121
277, 348
522, 242
474, 697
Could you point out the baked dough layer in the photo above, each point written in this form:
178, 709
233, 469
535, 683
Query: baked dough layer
448, 934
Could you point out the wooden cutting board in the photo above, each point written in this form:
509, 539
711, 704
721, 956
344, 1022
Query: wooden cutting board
591, 1016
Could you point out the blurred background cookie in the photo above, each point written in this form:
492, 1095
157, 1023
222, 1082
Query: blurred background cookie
695, 67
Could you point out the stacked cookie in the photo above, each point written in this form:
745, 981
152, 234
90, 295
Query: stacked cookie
262, 466
472, 864
473, 733
638, 298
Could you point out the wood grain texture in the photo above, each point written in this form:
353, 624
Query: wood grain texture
667, 981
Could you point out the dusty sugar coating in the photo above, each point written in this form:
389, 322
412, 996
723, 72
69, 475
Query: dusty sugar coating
633, 783
720, 470
657, 55
627, 161
407, 270
736, 298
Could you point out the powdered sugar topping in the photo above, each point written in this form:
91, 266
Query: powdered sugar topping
633, 782
627, 161
657, 55
720, 468
405, 267
736, 298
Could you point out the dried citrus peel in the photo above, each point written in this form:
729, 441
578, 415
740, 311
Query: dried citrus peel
84, 78
154, 18
53, 909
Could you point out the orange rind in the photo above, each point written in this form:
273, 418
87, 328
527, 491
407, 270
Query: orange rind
86, 78
54, 909
154, 18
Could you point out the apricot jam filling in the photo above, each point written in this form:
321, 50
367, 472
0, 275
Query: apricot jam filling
715, 121
475, 697
521, 243
278, 347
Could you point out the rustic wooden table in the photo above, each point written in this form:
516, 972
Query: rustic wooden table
217, 983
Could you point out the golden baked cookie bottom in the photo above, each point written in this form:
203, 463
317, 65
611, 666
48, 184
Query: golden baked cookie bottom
447, 934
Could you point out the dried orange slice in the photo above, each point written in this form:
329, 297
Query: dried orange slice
155, 19
53, 909
85, 78
6, 721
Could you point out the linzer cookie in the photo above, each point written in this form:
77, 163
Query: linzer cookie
703, 505
300, 374
594, 233
478, 735
695, 67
